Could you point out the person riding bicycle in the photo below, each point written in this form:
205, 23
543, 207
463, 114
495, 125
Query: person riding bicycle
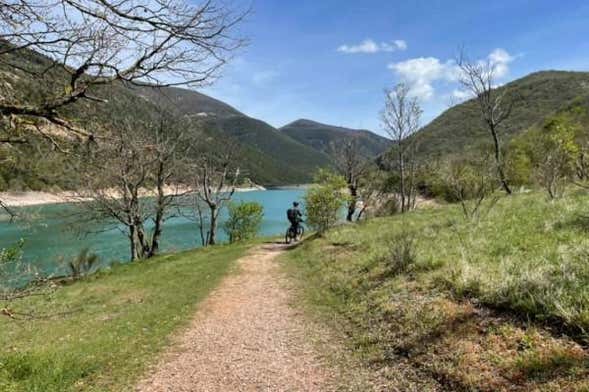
294, 215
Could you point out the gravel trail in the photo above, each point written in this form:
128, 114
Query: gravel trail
244, 337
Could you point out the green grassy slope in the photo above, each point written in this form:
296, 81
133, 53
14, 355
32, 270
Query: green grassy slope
537, 96
432, 302
99, 334
326, 138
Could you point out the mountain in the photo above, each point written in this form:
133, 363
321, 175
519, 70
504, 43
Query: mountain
265, 155
285, 160
536, 97
326, 138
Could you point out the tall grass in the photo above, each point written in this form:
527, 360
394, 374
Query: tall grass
396, 287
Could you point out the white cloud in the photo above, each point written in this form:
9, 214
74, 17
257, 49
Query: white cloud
400, 44
264, 77
369, 46
421, 73
500, 59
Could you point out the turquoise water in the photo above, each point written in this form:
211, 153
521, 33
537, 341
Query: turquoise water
50, 240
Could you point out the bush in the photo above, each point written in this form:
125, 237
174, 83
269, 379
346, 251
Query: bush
549, 154
244, 222
14, 271
401, 256
83, 263
324, 200
470, 181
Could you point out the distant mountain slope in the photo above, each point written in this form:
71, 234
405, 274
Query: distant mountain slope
286, 161
325, 138
188, 101
267, 156
537, 95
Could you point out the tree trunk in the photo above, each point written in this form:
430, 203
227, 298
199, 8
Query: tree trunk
159, 215
352, 204
213, 227
402, 178
155, 239
142, 242
499, 160
132, 243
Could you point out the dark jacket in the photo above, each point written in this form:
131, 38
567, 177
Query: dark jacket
294, 215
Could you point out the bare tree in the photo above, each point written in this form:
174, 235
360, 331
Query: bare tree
371, 192
478, 78
352, 165
132, 181
98, 42
400, 120
213, 185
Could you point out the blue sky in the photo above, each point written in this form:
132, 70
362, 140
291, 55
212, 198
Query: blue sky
330, 60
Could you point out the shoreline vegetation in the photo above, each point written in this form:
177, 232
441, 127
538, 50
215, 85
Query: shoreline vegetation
37, 198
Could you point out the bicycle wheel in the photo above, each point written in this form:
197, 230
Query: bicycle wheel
287, 236
300, 232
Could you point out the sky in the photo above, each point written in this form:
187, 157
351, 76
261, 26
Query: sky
330, 60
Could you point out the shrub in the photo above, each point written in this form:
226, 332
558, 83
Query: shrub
14, 271
401, 255
470, 181
324, 200
549, 154
83, 263
244, 222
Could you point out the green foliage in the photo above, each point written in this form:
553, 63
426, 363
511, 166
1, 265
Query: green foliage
324, 200
13, 253
83, 263
547, 154
244, 221
13, 269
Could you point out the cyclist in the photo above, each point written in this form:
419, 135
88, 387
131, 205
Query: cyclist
295, 217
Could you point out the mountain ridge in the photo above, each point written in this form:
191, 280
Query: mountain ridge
329, 138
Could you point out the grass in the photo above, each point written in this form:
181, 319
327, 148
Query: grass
98, 334
418, 295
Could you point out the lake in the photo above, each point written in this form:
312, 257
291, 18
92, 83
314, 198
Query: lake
48, 242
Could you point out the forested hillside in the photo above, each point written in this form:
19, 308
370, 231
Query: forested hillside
328, 138
264, 154
535, 97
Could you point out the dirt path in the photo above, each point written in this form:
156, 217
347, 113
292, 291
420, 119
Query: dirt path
245, 337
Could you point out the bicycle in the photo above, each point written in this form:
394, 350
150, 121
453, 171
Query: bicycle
291, 235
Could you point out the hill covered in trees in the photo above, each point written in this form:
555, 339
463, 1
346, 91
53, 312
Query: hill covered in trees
265, 155
327, 138
535, 97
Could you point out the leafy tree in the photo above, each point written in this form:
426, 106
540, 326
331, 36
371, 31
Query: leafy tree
324, 200
244, 222
549, 153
